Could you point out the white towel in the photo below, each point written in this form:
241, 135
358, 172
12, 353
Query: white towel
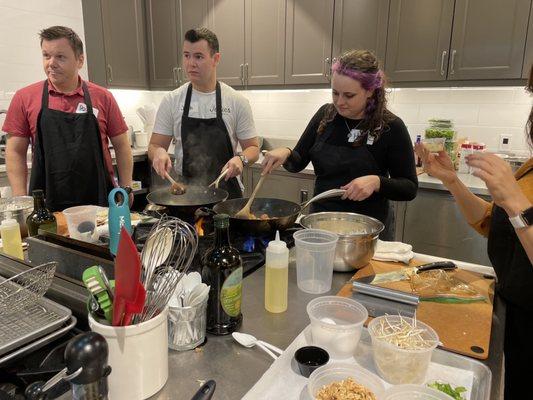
393, 251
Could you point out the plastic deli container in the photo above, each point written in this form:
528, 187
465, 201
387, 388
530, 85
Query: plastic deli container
336, 324
338, 372
397, 365
81, 223
434, 145
315, 252
414, 392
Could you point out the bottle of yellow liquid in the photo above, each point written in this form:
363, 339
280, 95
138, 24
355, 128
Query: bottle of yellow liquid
11, 240
276, 275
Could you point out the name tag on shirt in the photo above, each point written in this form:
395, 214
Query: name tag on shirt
82, 109
370, 140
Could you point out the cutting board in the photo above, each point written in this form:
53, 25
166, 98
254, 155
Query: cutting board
462, 328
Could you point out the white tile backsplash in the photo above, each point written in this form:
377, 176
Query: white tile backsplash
481, 113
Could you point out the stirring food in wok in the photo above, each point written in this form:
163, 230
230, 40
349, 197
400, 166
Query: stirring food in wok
254, 216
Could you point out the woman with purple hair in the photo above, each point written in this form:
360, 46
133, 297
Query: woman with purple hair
356, 144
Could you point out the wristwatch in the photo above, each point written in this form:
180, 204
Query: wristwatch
523, 220
128, 189
243, 158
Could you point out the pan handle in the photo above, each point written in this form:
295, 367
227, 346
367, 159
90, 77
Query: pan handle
324, 195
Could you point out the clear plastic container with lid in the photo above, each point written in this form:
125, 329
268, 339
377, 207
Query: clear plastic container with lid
276, 275
11, 239
443, 128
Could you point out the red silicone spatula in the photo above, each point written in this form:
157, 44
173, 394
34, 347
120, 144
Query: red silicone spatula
129, 292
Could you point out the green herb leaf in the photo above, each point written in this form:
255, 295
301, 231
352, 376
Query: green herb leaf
449, 390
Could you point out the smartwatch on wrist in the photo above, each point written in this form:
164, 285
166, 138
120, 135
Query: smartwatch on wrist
243, 158
523, 220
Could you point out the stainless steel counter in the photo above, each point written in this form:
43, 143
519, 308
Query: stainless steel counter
236, 369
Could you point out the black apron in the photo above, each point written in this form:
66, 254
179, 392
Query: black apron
68, 160
336, 166
206, 147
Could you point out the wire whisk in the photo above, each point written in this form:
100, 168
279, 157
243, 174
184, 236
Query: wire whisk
166, 257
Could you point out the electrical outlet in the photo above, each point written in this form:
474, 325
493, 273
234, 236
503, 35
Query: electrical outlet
505, 142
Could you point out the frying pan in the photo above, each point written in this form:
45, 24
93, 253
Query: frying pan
282, 213
186, 204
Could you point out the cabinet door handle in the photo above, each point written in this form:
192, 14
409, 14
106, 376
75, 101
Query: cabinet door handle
180, 75
443, 58
327, 67
452, 62
304, 196
110, 73
242, 73
246, 70
175, 75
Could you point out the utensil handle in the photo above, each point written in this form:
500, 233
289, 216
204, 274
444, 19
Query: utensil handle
271, 347
324, 195
259, 344
446, 265
170, 179
206, 391
217, 181
256, 189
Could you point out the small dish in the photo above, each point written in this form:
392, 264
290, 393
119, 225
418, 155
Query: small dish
310, 358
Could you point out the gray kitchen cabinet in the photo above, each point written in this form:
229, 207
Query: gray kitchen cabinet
124, 35
528, 56
226, 19
488, 39
434, 225
418, 40
264, 42
308, 41
283, 185
167, 22
164, 43
361, 24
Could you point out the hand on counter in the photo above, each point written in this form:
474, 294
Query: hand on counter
274, 158
438, 164
361, 188
501, 183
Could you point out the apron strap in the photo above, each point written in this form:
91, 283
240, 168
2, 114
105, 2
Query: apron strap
44, 99
218, 101
87, 98
187, 104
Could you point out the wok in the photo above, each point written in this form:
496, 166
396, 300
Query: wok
282, 215
184, 205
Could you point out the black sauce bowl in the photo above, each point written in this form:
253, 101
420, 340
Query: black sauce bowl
310, 358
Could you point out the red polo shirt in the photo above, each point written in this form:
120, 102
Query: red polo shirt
21, 118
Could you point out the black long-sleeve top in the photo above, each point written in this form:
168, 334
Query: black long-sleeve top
393, 152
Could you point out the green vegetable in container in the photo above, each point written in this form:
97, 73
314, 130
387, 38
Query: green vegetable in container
456, 393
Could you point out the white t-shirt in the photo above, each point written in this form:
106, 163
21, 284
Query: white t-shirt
236, 114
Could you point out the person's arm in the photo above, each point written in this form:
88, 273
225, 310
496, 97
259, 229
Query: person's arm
402, 184
294, 160
505, 191
250, 150
157, 153
440, 166
124, 159
16, 164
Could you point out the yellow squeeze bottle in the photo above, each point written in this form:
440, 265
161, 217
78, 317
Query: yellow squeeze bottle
11, 240
276, 276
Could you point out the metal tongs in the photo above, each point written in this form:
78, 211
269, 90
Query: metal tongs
324, 195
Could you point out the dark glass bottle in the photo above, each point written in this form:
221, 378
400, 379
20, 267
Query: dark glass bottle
222, 270
41, 217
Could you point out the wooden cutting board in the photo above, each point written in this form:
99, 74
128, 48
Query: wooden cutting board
462, 328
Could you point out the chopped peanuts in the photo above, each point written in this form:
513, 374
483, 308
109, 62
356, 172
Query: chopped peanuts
345, 390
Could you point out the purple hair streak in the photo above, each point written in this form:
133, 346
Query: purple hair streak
368, 80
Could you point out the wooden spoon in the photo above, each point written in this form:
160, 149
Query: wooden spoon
245, 212
176, 188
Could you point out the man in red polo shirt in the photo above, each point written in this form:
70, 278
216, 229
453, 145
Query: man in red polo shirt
68, 121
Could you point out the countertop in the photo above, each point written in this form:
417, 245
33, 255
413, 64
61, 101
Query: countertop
236, 369
474, 184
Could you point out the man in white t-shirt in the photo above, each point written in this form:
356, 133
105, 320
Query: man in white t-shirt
207, 118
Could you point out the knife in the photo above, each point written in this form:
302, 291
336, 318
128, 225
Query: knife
404, 273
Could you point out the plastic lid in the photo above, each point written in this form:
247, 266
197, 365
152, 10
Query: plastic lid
277, 245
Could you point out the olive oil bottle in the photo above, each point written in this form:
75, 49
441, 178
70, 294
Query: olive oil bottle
41, 217
222, 271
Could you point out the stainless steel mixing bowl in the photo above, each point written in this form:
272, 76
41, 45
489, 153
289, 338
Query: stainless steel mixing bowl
358, 236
